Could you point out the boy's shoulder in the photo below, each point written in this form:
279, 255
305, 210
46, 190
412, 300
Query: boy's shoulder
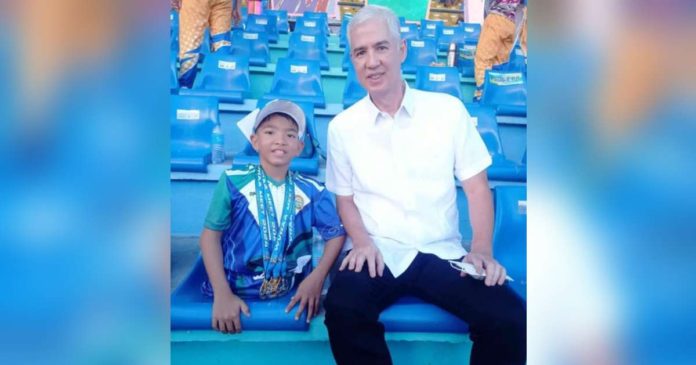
240, 176
308, 184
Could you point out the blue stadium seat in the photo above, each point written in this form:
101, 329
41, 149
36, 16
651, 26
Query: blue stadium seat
297, 80
321, 16
419, 52
466, 52
252, 45
410, 314
281, 20
472, 31
516, 63
314, 26
506, 91
258, 23
308, 160
173, 79
447, 35
308, 47
402, 20
429, 28
192, 310
352, 90
409, 31
192, 119
346, 63
223, 76
502, 168
439, 79
343, 37
510, 233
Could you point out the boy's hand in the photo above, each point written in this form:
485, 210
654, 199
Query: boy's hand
226, 308
307, 295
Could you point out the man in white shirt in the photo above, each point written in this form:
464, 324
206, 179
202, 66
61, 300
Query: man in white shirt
391, 162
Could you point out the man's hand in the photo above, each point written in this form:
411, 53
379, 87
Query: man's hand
226, 308
307, 295
366, 252
495, 272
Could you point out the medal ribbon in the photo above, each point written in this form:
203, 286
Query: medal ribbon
274, 236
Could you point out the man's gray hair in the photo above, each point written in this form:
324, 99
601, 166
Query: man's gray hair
370, 12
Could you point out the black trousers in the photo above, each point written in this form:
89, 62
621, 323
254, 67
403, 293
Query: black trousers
496, 315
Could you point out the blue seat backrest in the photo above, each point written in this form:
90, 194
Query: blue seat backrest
466, 52
409, 31
320, 16
419, 52
224, 71
439, 79
308, 47
346, 62
192, 121
281, 19
472, 31
257, 44
510, 231
173, 75
313, 26
297, 77
343, 37
259, 23
487, 127
352, 90
310, 139
506, 91
449, 34
429, 28
516, 63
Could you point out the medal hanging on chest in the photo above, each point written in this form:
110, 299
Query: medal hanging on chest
275, 236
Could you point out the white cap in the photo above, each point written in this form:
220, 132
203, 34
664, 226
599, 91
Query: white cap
284, 107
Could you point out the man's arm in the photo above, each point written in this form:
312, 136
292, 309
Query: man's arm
226, 305
478, 195
309, 290
363, 247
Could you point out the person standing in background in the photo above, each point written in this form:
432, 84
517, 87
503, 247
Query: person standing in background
194, 17
505, 22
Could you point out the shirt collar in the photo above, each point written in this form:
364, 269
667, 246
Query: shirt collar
406, 104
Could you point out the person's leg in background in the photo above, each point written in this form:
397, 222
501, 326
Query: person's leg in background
193, 19
496, 315
497, 35
220, 23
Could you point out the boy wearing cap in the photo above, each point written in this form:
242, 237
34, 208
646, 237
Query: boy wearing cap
257, 240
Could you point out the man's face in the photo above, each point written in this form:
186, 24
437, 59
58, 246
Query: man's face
276, 141
377, 57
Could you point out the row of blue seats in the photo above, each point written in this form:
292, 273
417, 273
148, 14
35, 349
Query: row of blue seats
226, 76
434, 30
191, 310
194, 117
192, 121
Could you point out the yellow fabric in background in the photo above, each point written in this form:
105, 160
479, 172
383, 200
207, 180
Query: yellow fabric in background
194, 17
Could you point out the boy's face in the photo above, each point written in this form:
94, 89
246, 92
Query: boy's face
276, 140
